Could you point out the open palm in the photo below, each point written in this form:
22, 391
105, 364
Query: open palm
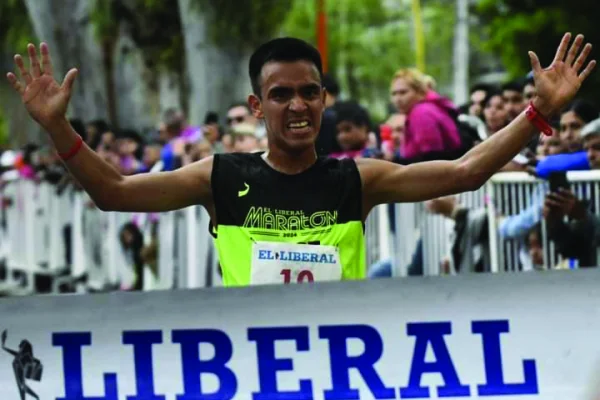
44, 99
558, 84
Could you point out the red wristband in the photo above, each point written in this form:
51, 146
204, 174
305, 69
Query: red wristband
538, 120
76, 147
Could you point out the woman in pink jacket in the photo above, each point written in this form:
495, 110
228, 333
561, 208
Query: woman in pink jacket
430, 125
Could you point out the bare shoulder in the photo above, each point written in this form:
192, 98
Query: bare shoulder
373, 175
371, 169
198, 175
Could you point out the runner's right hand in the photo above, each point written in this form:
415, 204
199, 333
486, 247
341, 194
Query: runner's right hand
45, 100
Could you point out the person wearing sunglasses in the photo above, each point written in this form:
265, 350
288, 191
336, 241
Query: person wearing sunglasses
239, 113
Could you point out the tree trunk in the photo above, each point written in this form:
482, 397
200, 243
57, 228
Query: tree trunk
136, 94
352, 81
215, 76
21, 128
169, 90
461, 53
108, 49
66, 27
199, 58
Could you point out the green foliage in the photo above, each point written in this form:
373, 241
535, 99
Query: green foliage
243, 23
16, 30
517, 26
3, 129
439, 18
368, 42
105, 24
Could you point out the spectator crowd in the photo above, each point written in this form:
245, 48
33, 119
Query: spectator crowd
422, 125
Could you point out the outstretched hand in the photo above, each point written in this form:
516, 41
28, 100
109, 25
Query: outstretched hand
45, 100
558, 84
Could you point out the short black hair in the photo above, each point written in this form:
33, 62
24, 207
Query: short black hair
130, 134
514, 86
464, 109
285, 49
584, 109
331, 85
100, 125
211, 117
481, 86
490, 95
351, 111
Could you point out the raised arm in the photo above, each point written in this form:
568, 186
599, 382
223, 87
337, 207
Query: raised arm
47, 101
9, 351
384, 182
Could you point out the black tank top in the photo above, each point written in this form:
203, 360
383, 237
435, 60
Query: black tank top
279, 228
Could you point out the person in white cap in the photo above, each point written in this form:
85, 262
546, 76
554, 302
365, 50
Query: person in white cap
245, 138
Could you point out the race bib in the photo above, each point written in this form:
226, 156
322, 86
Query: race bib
276, 263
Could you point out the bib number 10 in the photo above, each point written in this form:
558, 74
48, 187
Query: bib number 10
303, 276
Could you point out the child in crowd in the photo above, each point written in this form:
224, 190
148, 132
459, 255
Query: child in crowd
353, 127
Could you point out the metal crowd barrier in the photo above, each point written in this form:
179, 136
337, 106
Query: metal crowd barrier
33, 245
506, 194
35, 216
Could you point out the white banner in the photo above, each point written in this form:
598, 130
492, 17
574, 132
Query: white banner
512, 336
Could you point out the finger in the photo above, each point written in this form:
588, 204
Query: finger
562, 198
14, 81
554, 196
587, 71
562, 48
535, 63
34, 63
69, 80
574, 50
46, 60
553, 203
582, 57
22, 70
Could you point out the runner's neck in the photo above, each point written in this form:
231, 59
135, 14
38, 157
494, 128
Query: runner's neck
290, 164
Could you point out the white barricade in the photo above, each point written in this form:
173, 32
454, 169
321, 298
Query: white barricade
506, 194
33, 241
166, 254
60, 205
77, 239
406, 236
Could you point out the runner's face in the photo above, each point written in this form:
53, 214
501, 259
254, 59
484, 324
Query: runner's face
292, 103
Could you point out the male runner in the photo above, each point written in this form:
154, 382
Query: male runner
286, 215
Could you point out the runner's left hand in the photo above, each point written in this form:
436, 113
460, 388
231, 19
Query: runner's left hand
558, 84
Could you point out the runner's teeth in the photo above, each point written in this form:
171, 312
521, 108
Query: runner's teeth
298, 124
